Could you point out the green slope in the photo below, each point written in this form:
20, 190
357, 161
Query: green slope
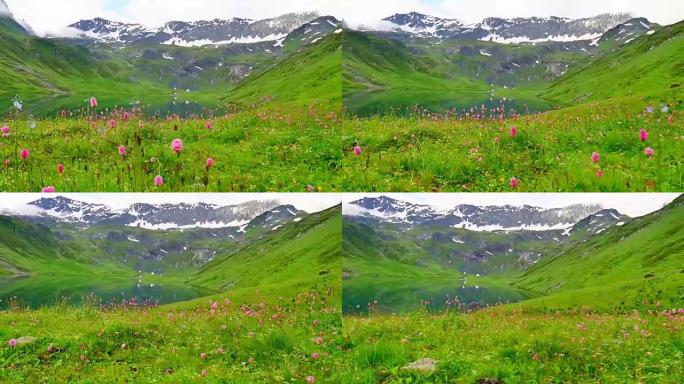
651, 65
36, 249
311, 74
53, 74
32, 248
380, 74
9, 25
384, 75
627, 265
299, 255
391, 250
642, 260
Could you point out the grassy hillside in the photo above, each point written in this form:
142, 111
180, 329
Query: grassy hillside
10, 26
277, 319
642, 260
295, 257
426, 250
311, 74
551, 151
651, 65
380, 74
31, 248
54, 72
383, 75
610, 311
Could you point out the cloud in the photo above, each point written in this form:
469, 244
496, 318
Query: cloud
50, 16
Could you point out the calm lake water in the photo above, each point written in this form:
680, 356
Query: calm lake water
150, 105
361, 295
401, 103
36, 292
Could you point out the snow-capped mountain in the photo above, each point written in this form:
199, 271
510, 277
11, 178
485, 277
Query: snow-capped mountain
626, 32
598, 222
315, 30
276, 218
515, 30
198, 33
163, 216
489, 218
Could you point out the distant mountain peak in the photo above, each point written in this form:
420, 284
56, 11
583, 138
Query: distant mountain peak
192, 33
152, 216
472, 217
508, 30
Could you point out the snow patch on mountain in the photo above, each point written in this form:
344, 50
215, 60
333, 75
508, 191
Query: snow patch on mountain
234, 40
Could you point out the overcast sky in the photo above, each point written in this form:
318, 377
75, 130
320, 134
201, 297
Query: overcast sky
45, 16
630, 204
305, 201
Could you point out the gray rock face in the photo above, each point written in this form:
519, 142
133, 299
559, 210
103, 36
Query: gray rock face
197, 33
532, 29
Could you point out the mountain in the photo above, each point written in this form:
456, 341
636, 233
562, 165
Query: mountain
204, 59
51, 235
311, 32
163, 216
9, 23
516, 30
414, 60
637, 262
42, 71
384, 236
191, 34
647, 65
626, 32
300, 255
310, 73
507, 218
604, 260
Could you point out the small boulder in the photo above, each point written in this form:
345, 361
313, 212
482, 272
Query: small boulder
422, 365
26, 340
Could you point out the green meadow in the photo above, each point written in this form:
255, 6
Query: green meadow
606, 308
242, 323
428, 119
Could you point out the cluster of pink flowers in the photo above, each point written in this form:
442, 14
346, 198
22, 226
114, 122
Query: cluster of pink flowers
177, 145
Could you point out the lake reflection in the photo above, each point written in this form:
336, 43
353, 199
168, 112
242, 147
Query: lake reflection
364, 295
36, 292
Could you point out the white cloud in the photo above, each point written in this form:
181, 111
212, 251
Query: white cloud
46, 16
631, 204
